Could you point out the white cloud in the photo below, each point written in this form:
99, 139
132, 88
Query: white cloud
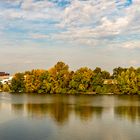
95, 36
113, 27
90, 22
31, 10
96, 21
131, 45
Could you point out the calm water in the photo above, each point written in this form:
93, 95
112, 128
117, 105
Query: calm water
55, 117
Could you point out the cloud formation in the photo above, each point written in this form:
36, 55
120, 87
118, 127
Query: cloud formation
99, 24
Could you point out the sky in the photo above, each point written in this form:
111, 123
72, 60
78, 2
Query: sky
39, 33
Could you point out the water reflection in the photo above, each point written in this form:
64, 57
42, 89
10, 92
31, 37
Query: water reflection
125, 100
17, 108
131, 113
132, 99
87, 112
60, 112
69, 117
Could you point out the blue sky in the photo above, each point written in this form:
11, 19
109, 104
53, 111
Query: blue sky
38, 33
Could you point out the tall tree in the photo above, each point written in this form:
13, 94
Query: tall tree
60, 77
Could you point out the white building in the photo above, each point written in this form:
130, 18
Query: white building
6, 80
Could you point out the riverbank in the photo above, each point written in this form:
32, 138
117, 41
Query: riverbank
76, 93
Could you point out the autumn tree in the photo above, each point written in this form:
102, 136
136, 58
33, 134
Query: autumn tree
59, 78
34, 80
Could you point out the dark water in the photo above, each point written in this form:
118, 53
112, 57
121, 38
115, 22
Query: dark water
57, 117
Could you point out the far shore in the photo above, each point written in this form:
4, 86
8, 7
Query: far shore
78, 93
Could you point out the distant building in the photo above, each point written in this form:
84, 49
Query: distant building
110, 82
5, 77
4, 73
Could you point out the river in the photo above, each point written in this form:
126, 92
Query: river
69, 117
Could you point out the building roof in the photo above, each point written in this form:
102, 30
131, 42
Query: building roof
4, 74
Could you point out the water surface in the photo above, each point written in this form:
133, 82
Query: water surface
69, 117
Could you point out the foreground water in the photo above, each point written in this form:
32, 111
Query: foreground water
59, 117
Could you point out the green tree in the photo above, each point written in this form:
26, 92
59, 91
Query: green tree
17, 83
81, 80
105, 74
118, 71
127, 82
97, 80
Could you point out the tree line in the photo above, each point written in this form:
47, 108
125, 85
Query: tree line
59, 79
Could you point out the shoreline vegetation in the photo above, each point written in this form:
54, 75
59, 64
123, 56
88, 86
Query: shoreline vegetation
60, 80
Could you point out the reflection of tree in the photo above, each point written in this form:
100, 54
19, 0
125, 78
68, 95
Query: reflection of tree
86, 112
36, 110
58, 111
129, 112
17, 108
59, 108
